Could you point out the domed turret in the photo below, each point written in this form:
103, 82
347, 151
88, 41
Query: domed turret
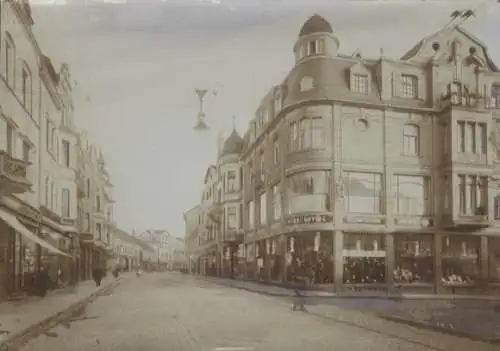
315, 24
233, 144
316, 38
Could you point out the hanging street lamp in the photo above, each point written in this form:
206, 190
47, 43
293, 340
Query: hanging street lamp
201, 123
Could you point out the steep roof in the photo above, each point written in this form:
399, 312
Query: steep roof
233, 144
315, 24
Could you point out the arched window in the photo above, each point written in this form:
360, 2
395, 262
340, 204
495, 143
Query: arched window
411, 140
9, 59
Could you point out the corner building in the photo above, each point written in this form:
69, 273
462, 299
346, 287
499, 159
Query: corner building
377, 173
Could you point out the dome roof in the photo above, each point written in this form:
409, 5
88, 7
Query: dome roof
233, 144
315, 24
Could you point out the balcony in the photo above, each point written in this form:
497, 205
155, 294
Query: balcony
13, 174
232, 236
467, 222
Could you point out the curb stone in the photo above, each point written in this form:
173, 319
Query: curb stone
420, 325
19, 339
439, 329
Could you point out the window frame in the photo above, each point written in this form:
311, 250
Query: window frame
409, 86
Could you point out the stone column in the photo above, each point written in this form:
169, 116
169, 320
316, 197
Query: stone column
338, 260
389, 261
438, 268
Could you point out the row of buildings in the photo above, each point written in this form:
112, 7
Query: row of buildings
362, 173
56, 200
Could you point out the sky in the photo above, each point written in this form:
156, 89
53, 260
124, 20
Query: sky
140, 62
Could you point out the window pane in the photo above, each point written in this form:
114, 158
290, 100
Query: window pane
411, 194
308, 191
363, 192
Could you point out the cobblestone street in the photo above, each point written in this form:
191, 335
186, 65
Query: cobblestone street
169, 311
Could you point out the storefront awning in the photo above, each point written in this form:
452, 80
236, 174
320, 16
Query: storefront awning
13, 222
53, 235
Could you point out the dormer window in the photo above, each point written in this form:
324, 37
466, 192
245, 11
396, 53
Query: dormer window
409, 86
495, 95
359, 83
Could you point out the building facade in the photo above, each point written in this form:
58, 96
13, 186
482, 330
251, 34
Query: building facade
158, 240
43, 168
376, 173
126, 250
24, 85
191, 227
95, 208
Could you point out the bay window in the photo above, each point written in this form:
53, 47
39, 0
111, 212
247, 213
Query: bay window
308, 192
363, 192
412, 195
232, 220
307, 134
473, 192
231, 183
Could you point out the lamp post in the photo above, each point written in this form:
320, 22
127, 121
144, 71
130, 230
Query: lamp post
201, 123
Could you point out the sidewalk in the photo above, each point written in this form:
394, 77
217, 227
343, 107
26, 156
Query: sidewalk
276, 290
469, 317
16, 319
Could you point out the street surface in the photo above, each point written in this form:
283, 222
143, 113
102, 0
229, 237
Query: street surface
170, 311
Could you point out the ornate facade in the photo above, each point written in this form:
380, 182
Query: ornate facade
376, 173
41, 221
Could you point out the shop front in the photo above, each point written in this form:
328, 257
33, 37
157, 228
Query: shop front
86, 242
20, 249
414, 267
308, 249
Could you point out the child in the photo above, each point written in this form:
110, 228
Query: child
298, 301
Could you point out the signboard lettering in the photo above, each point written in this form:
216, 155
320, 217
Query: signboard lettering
309, 219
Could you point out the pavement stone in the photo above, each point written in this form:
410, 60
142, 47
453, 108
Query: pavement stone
165, 311
476, 319
20, 318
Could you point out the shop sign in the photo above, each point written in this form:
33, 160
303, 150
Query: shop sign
309, 219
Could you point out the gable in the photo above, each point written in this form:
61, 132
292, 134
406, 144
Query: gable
442, 45
209, 171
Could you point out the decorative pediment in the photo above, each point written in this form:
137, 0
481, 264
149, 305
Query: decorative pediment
451, 44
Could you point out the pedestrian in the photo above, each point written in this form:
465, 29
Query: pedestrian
42, 281
97, 275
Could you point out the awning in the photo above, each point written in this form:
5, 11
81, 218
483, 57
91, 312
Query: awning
53, 235
13, 222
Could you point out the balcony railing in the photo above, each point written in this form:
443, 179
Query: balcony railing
470, 100
13, 174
